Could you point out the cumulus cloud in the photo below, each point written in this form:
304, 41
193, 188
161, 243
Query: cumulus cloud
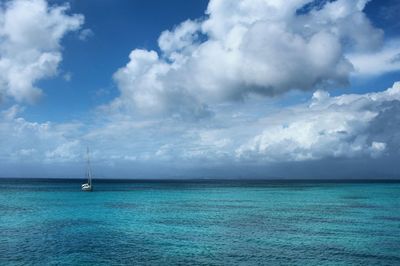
181, 38
37, 142
30, 35
351, 126
378, 62
345, 126
244, 48
140, 84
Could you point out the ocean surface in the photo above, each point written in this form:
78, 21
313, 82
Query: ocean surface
51, 222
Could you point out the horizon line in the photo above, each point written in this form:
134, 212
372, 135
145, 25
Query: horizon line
275, 179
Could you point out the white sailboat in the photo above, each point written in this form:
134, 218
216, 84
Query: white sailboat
88, 186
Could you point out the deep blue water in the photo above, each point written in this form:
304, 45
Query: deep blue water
202, 223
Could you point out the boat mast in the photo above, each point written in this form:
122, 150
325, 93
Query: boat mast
88, 168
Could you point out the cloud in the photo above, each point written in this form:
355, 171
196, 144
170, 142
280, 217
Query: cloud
46, 142
12, 112
353, 127
246, 48
349, 126
182, 37
67, 76
345, 126
218, 67
30, 35
378, 62
140, 84
85, 34
66, 151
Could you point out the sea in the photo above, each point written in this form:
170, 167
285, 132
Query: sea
199, 222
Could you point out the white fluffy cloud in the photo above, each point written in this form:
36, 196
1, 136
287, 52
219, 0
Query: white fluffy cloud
378, 62
30, 35
351, 126
242, 48
22, 140
346, 126
343, 127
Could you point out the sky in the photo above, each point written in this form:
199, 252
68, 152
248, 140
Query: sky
200, 89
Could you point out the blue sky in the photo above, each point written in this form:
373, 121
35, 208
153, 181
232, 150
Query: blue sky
190, 89
119, 28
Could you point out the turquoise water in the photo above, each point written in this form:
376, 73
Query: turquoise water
200, 223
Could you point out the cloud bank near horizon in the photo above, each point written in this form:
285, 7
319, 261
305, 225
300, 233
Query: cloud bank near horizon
348, 126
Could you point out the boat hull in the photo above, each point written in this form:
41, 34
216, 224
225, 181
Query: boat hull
86, 187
